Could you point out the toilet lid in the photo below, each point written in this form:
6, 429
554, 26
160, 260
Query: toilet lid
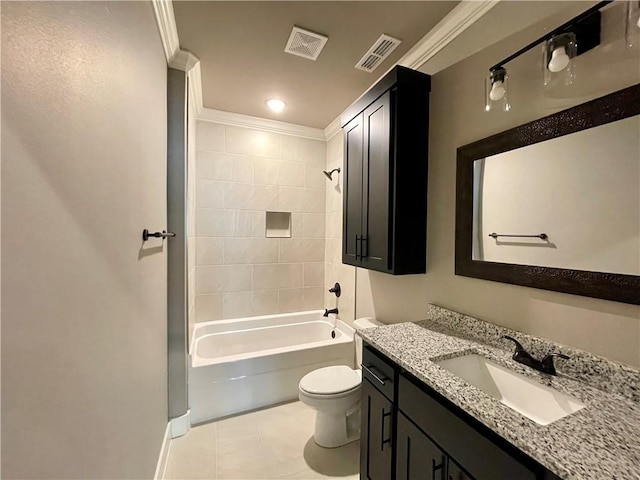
330, 380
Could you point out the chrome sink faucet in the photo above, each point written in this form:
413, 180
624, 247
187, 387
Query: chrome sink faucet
545, 365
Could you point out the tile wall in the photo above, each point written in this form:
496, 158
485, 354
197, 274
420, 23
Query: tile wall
241, 174
334, 270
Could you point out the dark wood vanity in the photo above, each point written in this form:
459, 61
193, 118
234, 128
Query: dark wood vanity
411, 432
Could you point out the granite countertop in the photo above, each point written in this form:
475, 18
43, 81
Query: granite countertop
601, 441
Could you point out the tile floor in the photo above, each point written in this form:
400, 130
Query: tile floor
272, 443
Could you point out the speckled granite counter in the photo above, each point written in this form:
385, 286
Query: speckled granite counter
601, 441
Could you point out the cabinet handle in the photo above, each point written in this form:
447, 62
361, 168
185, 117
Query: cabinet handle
364, 241
368, 370
383, 440
357, 240
435, 468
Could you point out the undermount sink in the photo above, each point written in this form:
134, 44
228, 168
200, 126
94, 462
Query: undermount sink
540, 403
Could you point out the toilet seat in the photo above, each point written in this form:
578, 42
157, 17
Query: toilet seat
336, 381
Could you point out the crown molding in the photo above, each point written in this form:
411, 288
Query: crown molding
183, 60
167, 25
177, 58
265, 124
195, 88
333, 128
465, 14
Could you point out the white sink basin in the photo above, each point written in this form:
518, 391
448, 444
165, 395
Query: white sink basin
540, 403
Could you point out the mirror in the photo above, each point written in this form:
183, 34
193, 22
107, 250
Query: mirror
555, 203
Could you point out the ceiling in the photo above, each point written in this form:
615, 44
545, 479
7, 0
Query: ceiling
241, 50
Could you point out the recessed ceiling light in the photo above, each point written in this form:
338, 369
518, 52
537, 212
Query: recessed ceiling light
276, 105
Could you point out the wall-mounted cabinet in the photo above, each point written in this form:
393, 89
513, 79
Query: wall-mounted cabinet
385, 170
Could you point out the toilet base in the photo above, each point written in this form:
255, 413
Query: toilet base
335, 430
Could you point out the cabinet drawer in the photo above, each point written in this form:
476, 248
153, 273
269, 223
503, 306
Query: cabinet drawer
379, 371
480, 456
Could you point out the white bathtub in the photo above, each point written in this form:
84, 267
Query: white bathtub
242, 364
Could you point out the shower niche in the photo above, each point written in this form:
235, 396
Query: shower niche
278, 225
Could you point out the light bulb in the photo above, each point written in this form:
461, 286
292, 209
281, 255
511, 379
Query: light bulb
276, 105
559, 60
497, 91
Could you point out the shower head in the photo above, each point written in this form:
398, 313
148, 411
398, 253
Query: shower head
329, 175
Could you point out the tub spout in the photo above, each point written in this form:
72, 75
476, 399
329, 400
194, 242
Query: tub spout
327, 312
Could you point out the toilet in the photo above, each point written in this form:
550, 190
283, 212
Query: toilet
334, 393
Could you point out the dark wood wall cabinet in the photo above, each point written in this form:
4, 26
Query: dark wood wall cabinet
411, 432
386, 136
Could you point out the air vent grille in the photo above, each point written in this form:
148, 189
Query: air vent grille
377, 53
305, 43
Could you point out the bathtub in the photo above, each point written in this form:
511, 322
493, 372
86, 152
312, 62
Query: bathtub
242, 364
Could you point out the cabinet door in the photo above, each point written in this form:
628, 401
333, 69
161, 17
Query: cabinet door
352, 194
376, 432
377, 184
418, 457
454, 472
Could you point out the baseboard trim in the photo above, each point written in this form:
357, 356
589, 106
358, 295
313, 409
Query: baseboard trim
180, 425
161, 466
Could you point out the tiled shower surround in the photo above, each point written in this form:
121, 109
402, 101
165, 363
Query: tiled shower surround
241, 173
334, 270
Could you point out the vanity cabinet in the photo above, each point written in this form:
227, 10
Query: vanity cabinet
385, 175
417, 456
426, 437
376, 450
378, 417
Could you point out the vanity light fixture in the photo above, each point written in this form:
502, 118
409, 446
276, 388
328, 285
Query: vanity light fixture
563, 49
573, 38
276, 104
557, 53
496, 86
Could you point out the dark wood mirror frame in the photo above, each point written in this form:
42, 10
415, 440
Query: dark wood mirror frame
610, 286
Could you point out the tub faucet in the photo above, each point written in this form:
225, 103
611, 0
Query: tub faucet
522, 356
327, 312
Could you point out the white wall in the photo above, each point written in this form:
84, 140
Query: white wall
582, 190
84, 342
457, 114
241, 174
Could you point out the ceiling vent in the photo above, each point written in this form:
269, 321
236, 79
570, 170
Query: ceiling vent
377, 53
305, 43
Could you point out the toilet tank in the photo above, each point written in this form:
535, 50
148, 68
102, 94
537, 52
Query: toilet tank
359, 324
